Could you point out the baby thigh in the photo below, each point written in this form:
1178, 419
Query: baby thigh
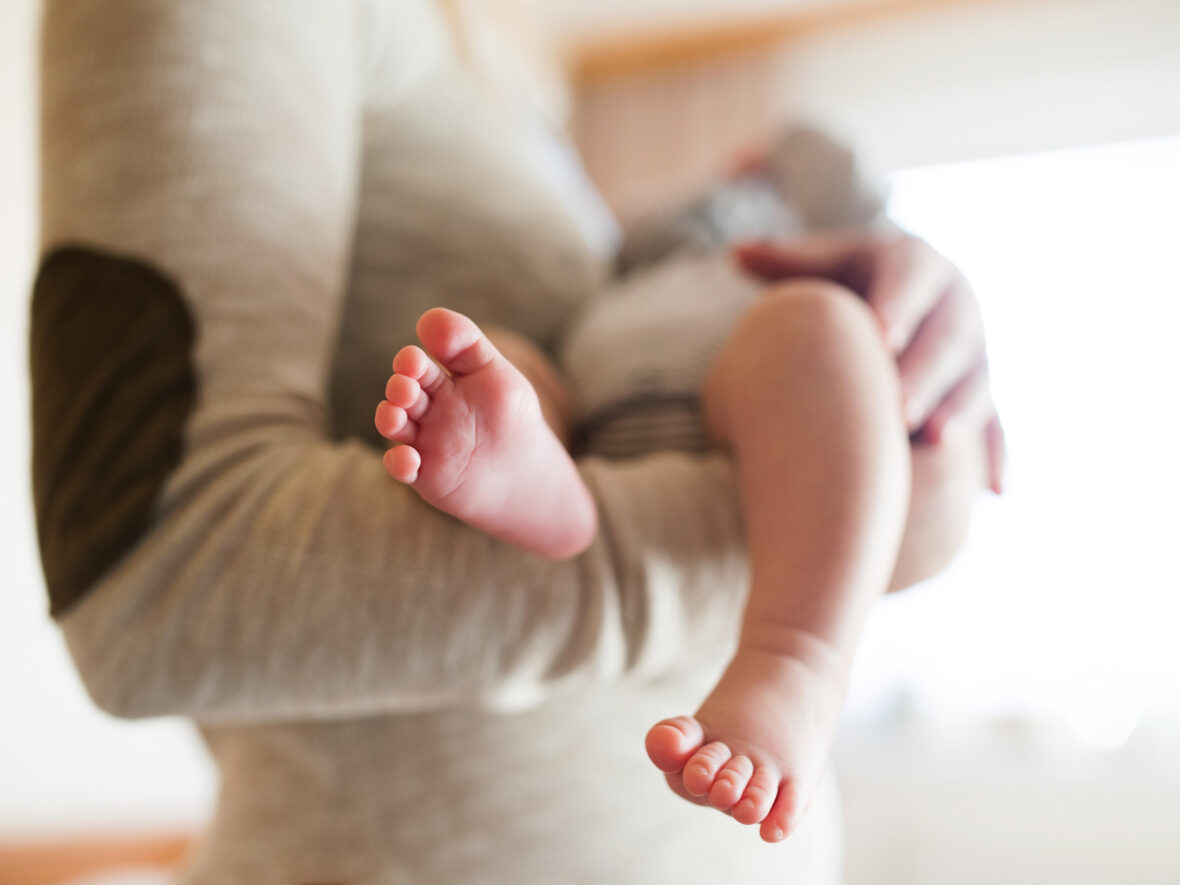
809, 324
812, 350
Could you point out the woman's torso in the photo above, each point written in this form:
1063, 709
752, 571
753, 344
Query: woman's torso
462, 205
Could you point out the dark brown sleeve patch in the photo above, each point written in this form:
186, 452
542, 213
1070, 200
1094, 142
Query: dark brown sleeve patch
113, 386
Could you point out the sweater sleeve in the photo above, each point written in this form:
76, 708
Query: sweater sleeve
209, 551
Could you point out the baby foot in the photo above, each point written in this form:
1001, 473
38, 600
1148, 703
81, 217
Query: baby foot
474, 443
758, 746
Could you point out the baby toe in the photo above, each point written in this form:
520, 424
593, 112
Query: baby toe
402, 463
402, 391
780, 820
411, 360
702, 768
392, 423
730, 783
671, 743
758, 798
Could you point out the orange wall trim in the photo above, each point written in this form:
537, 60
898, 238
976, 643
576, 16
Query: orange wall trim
55, 861
636, 52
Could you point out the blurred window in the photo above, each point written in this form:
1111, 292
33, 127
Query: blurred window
1065, 605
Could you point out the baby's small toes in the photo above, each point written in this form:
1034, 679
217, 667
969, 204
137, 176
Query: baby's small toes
760, 794
413, 362
402, 391
730, 783
389, 419
671, 743
394, 424
402, 463
780, 820
702, 768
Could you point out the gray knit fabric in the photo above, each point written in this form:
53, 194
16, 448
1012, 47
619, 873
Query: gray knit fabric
391, 696
638, 356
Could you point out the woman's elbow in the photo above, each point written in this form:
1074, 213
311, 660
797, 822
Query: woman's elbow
127, 669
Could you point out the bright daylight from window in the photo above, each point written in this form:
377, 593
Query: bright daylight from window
1062, 612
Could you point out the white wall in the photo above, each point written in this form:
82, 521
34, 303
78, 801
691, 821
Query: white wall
970, 79
1017, 719
984, 79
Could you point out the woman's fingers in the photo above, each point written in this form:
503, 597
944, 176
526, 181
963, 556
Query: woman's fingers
929, 317
966, 408
946, 347
907, 279
900, 276
969, 408
827, 257
997, 454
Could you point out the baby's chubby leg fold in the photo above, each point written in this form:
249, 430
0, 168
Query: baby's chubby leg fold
473, 441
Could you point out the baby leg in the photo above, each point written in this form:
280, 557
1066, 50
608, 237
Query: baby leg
806, 395
474, 441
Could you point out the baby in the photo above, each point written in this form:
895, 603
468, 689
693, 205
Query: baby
796, 382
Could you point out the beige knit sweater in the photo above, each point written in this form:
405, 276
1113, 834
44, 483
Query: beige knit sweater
246, 205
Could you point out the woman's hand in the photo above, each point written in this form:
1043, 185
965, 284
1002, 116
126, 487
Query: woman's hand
928, 315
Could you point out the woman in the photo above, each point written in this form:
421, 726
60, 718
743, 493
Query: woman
244, 204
